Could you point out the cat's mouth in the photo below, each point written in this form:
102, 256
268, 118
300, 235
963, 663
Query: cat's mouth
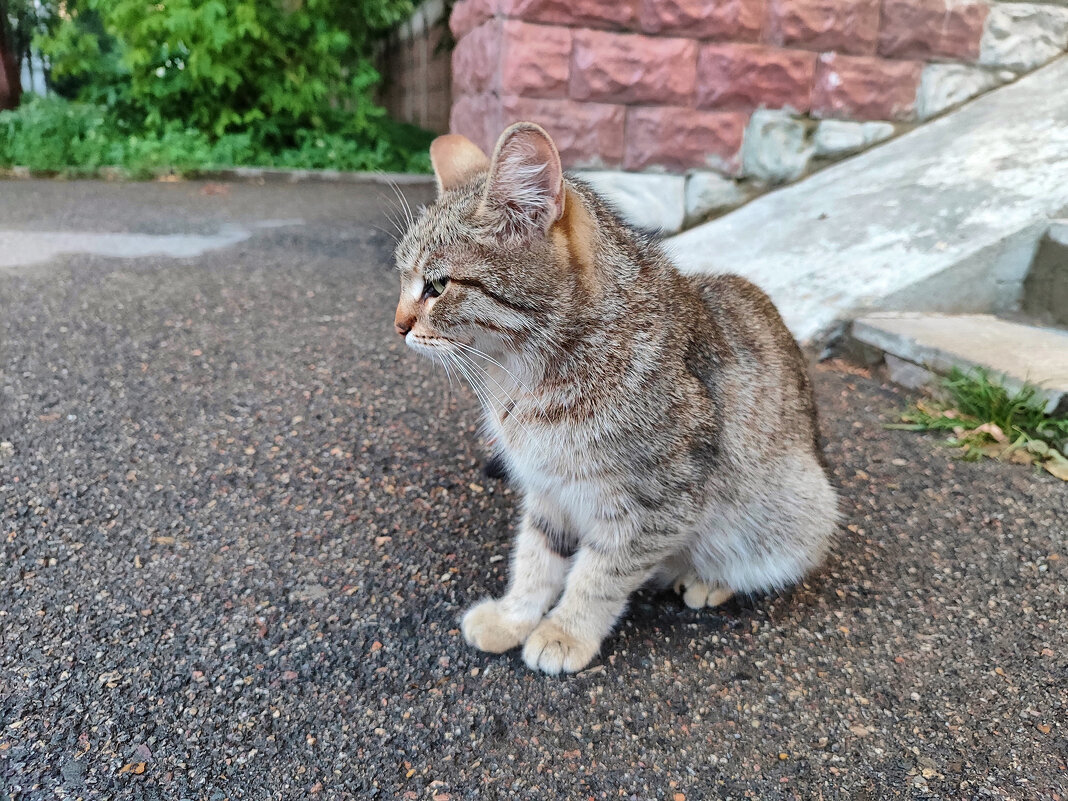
429, 345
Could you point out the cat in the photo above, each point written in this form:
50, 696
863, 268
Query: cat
661, 426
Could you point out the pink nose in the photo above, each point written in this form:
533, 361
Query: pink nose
402, 323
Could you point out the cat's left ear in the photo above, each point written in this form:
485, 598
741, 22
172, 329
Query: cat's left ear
526, 181
456, 160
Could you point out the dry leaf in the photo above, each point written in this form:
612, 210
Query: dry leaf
842, 366
992, 429
1058, 467
1020, 456
993, 450
135, 768
927, 407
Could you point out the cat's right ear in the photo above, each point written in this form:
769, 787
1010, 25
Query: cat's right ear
456, 160
525, 188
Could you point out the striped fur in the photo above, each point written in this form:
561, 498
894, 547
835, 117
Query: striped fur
661, 426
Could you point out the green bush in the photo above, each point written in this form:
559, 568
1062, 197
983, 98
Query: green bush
199, 83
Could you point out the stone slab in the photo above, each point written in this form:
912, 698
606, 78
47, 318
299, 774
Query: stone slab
944, 218
1016, 352
648, 201
1045, 296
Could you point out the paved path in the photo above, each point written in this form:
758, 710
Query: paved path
238, 522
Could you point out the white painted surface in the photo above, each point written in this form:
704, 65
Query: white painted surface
858, 233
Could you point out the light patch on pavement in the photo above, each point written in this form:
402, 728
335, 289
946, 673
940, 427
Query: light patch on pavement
20, 248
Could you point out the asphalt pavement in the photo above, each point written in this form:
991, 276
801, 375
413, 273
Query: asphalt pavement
239, 521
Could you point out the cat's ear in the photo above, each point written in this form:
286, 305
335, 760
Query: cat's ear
456, 160
526, 181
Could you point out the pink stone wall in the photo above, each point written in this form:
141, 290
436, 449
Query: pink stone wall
671, 84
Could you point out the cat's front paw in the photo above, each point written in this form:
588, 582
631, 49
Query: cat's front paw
552, 649
486, 626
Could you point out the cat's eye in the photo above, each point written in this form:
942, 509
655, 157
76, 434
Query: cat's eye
435, 286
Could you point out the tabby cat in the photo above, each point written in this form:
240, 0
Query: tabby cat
660, 426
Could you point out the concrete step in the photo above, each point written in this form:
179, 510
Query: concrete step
916, 346
945, 218
1045, 296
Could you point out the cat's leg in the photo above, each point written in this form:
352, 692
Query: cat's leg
771, 539
607, 569
539, 566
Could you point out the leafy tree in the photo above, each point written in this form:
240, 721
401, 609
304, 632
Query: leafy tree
223, 66
286, 82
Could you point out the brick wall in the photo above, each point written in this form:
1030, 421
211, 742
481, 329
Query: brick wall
761, 90
416, 70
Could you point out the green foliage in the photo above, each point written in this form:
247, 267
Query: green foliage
987, 419
53, 134
196, 83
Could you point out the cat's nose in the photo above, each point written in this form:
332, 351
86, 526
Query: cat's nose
402, 325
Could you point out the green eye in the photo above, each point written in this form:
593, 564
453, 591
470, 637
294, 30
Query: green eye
435, 287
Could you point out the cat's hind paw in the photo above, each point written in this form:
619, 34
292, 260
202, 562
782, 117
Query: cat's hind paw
551, 649
697, 595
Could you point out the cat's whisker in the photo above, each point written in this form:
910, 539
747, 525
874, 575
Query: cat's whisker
519, 385
391, 234
474, 378
408, 216
513, 376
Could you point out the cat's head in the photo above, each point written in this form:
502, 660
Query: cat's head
496, 262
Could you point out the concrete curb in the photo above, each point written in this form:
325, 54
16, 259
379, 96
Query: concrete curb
273, 174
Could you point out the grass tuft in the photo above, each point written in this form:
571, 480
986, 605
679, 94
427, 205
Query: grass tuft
987, 419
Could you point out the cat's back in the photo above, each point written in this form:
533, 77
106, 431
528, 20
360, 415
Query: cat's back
761, 373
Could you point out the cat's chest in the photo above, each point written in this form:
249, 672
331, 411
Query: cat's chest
561, 462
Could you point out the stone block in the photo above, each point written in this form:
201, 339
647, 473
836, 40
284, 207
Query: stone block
864, 88
776, 149
632, 68
747, 77
476, 60
613, 14
838, 138
679, 139
724, 20
469, 14
845, 26
709, 193
535, 59
943, 86
478, 117
926, 29
649, 202
586, 134
1022, 36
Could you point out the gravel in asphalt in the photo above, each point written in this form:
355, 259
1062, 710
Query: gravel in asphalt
239, 522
